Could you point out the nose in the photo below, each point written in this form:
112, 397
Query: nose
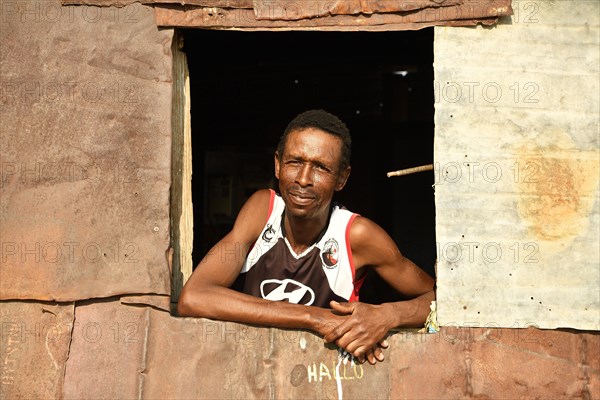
304, 177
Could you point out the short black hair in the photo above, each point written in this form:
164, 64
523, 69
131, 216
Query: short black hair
320, 119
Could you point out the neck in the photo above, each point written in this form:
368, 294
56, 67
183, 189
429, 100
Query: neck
303, 233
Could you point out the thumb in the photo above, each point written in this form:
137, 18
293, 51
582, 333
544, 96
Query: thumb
344, 308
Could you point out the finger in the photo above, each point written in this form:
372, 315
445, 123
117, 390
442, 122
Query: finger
348, 342
338, 332
343, 308
371, 357
361, 359
378, 353
353, 346
384, 343
361, 353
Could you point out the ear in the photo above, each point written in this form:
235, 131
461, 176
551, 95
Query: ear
277, 165
342, 179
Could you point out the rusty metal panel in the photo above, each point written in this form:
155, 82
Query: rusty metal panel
294, 10
85, 139
467, 14
228, 360
307, 368
34, 349
203, 359
160, 356
477, 362
535, 366
532, 363
108, 348
416, 357
517, 169
202, 3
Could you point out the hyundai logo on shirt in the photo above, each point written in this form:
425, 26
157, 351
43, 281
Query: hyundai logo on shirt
287, 289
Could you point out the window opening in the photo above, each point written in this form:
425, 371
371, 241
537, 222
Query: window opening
246, 86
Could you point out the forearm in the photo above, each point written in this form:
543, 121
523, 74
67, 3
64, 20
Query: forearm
410, 313
225, 304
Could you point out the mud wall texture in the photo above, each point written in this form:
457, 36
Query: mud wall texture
516, 157
84, 279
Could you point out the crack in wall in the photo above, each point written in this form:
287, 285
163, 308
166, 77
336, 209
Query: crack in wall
143, 364
64, 371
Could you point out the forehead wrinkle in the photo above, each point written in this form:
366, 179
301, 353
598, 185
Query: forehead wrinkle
309, 144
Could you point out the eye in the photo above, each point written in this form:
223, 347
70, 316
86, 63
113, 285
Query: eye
323, 168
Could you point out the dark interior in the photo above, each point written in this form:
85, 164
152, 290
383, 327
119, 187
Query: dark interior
247, 86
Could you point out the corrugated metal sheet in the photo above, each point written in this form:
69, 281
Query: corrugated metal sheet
293, 10
344, 14
517, 163
85, 140
467, 14
132, 3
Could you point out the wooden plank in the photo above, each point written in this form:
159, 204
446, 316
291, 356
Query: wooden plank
182, 218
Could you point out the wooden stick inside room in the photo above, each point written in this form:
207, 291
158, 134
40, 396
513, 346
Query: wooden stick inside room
408, 171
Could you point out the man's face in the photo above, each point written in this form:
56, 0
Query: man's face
309, 172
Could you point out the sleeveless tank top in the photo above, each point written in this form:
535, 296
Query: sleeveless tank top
323, 272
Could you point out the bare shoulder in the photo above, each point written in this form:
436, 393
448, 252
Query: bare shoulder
253, 215
363, 230
259, 200
370, 243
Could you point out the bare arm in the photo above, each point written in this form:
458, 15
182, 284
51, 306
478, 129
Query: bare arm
376, 248
368, 324
207, 293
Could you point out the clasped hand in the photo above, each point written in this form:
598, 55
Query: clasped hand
362, 330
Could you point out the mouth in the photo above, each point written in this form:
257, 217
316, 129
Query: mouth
301, 198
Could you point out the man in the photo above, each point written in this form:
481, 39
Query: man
300, 248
